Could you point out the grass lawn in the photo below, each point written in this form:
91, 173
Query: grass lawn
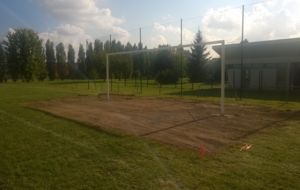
42, 151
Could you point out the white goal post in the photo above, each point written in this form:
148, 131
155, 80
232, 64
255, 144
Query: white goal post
222, 42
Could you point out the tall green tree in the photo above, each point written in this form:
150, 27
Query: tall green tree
135, 60
24, 54
89, 61
41, 70
196, 69
99, 62
81, 60
106, 46
61, 61
98, 46
2, 64
71, 62
51, 60
165, 68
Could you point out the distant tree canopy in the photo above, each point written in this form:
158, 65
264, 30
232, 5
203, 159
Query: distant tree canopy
24, 55
81, 60
2, 64
61, 61
51, 60
196, 70
214, 69
165, 67
71, 62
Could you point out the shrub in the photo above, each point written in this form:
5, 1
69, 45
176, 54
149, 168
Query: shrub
167, 77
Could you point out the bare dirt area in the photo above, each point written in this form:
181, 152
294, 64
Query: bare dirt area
185, 124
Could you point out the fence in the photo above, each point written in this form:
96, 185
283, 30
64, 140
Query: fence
265, 21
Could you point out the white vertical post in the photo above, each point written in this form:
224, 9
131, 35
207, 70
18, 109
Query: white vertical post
107, 78
222, 77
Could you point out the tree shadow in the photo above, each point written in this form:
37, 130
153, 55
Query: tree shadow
95, 128
269, 95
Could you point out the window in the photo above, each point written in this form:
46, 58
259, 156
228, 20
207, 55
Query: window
246, 77
281, 78
257, 66
281, 65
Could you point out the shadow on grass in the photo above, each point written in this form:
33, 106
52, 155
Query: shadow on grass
247, 94
82, 124
71, 82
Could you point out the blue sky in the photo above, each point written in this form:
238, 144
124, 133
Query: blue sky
74, 21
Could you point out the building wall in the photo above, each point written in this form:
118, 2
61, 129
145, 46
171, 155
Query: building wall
234, 78
269, 78
254, 78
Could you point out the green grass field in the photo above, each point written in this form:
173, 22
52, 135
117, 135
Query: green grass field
42, 151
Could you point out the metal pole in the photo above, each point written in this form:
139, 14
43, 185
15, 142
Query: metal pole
107, 78
181, 57
223, 78
140, 61
287, 82
86, 47
242, 54
110, 51
93, 72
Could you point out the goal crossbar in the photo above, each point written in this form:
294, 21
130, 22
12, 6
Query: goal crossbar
222, 42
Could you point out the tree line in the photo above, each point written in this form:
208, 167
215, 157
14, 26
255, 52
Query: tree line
23, 56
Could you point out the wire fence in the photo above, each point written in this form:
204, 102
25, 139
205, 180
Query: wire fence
260, 22
268, 20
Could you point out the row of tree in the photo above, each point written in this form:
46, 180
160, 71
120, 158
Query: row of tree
23, 56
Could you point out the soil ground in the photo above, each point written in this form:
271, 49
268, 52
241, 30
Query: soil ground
185, 124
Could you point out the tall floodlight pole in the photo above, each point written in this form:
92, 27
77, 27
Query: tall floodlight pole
181, 57
110, 52
86, 47
140, 60
107, 78
222, 78
242, 54
92, 66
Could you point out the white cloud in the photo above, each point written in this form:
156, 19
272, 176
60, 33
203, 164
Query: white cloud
67, 34
69, 30
84, 14
223, 19
80, 12
158, 40
10, 30
262, 21
167, 17
186, 34
3, 35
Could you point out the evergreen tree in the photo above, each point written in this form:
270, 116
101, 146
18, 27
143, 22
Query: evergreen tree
107, 46
50, 57
41, 70
61, 61
98, 46
99, 62
89, 61
2, 64
81, 60
71, 61
196, 70
24, 54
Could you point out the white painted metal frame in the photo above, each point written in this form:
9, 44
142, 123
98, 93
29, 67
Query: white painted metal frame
222, 42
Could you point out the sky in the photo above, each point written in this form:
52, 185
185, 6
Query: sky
75, 21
